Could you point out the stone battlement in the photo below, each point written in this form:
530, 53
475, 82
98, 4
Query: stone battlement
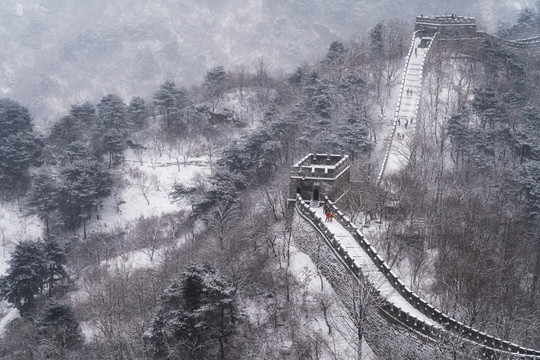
326, 165
318, 175
445, 19
448, 26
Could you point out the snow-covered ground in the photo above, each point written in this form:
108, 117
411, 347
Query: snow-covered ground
407, 115
375, 277
306, 271
155, 180
15, 226
117, 211
147, 178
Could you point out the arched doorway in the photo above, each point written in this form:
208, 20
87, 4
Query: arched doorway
316, 194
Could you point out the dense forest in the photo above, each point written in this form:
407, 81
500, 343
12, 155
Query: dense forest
460, 221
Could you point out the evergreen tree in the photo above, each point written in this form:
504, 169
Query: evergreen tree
57, 324
74, 127
25, 275
225, 187
65, 131
42, 199
112, 113
18, 145
352, 139
195, 318
376, 40
335, 53
85, 114
353, 88
170, 100
215, 85
75, 152
321, 102
17, 152
55, 257
111, 133
84, 182
487, 106
14, 118
297, 77
114, 142
137, 110
459, 132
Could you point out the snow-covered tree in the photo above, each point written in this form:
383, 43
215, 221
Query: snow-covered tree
137, 110
215, 85
170, 100
42, 199
25, 275
55, 256
195, 318
114, 142
84, 182
18, 145
58, 329
112, 112
65, 131
33, 265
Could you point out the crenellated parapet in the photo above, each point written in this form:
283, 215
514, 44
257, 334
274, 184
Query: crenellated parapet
486, 346
319, 175
452, 26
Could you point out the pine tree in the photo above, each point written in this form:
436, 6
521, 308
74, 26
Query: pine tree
57, 324
85, 114
42, 199
137, 110
215, 85
84, 182
170, 100
110, 134
14, 118
195, 317
376, 40
18, 146
25, 276
16, 155
112, 113
114, 142
55, 261
64, 132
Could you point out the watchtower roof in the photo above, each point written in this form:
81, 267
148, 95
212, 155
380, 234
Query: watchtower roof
447, 26
445, 19
325, 165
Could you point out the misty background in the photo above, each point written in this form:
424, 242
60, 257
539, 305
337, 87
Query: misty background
56, 53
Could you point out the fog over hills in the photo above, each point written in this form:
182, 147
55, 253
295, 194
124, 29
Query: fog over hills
59, 52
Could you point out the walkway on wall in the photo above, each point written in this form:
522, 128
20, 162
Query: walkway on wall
370, 270
361, 258
398, 151
398, 301
400, 138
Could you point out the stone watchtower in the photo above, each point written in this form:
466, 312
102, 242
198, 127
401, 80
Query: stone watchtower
317, 175
447, 26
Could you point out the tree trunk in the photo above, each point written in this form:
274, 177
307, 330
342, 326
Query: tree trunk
360, 338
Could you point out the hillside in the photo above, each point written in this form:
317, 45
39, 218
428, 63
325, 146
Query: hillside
57, 53
160, 227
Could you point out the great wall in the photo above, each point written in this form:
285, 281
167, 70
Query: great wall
348, 254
